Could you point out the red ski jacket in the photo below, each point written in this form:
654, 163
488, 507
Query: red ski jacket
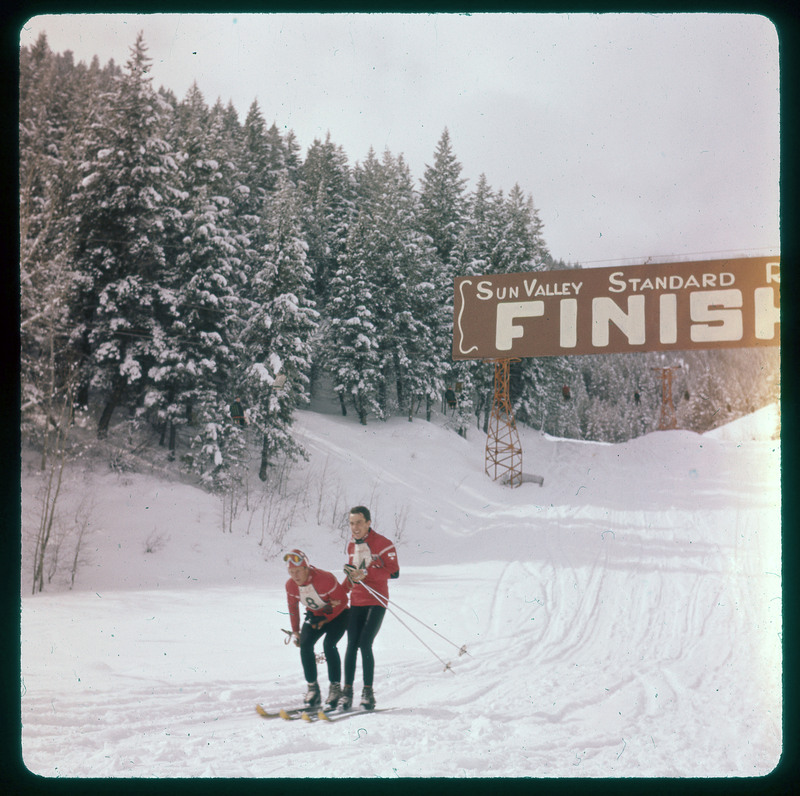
378, 556
323, 596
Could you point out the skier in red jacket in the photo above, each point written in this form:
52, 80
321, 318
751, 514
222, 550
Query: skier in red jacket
325, 600
372, 562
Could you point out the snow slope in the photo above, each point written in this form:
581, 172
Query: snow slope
622, 620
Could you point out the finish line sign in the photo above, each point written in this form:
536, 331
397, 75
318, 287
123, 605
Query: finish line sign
652, 307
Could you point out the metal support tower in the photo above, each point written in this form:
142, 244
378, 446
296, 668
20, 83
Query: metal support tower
668, 419
503, 450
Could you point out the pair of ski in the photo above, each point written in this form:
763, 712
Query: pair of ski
290, 714
308, 714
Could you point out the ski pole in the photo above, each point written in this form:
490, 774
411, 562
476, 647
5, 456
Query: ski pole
385, 603
382, 600
462, 650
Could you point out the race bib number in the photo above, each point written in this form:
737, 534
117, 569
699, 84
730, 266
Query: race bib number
310, 598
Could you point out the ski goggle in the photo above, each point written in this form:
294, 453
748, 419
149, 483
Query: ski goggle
296, 559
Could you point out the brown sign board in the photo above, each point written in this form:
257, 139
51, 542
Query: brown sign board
731, 303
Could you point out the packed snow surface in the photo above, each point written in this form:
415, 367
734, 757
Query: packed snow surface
621, 620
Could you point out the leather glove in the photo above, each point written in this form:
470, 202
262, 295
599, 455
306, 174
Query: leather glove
354, 575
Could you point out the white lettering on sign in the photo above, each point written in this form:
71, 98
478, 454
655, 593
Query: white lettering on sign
606, 311
716, 314
767, 314
484, 290
507, 312
618, 282
773, 273
667, 318
568, 337
687, 305
530, 288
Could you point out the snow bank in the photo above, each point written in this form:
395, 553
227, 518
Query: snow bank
761, 425
621, 620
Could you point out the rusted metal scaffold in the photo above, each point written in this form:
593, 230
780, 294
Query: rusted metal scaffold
668, 419
503, 449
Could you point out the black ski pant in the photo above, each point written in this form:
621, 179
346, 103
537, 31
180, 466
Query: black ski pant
362, 627
309, 636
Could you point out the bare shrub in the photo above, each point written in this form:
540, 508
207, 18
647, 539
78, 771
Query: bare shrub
400, 520
59, 553
331, 503
81, 526
276, 514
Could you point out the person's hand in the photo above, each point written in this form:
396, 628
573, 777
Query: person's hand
296, 637
354, 575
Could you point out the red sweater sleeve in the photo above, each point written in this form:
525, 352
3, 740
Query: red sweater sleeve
385, 556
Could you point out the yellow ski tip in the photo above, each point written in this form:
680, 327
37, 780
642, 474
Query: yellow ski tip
305, 717
322, 716
284, 715
261, 711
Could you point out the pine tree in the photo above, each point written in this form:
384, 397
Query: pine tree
442, 199
443, 217
192, 380
250, 189
279, 326
49, 145
350, 339
401, 283
261, 166
292, 159
328, 186
123, 207
518, 245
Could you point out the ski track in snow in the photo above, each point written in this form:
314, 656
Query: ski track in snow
621, 620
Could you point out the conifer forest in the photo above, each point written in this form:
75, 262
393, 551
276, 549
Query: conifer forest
177, 256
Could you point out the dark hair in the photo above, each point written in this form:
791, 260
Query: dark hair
361, 510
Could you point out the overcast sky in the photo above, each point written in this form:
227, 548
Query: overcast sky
636, 135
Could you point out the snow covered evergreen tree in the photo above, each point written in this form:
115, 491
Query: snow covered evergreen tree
53, 93
443, 207
518, 244
327, 183
400, 282
254, 157
291, 157
124, 207
280, 322
193, 383
442, 199
261, 165
350, 338
278, 158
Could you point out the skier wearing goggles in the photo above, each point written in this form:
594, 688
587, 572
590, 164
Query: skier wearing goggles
325, 601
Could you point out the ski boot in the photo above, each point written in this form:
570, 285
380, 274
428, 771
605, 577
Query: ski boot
367, 698
346, 698
334, 695
312, 698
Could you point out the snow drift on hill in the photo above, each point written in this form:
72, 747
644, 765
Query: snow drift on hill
622, 620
